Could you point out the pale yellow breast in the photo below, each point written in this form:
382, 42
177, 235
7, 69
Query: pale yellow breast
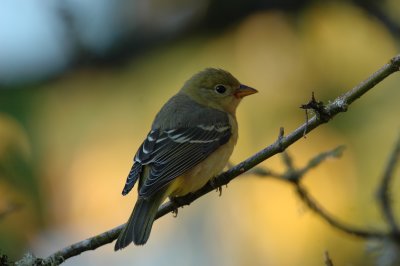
199, 175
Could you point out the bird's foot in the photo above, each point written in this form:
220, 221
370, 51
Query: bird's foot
218, 189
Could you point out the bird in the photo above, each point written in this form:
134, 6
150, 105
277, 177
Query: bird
190, 142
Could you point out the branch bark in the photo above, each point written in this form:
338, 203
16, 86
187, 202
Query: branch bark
323, 115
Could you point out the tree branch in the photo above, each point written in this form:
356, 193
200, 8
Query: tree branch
383, 193
323, 115
295, 176
315, 207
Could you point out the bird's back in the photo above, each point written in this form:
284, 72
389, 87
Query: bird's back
182, 112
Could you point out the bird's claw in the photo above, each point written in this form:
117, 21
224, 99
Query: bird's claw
219, 189
175, 206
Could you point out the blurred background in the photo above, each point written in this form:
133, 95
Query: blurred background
82, 80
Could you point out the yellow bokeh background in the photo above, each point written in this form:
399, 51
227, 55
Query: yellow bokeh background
78, 135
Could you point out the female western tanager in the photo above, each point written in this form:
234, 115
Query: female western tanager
190, 141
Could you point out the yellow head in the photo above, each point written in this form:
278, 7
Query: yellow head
217, 89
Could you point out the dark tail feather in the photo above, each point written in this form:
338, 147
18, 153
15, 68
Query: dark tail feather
140, 222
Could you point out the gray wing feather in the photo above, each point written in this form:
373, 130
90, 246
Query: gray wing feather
182, 150
170, 153
143, 154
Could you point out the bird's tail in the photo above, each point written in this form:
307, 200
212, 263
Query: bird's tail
138, 227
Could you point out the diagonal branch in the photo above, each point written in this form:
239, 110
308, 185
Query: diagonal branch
323, 115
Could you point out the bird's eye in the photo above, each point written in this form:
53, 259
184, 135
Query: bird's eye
220, 89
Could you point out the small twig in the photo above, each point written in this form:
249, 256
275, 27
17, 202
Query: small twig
327, 259
317, 160
383, 193
293, 174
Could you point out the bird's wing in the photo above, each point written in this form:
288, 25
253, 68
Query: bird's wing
170, 153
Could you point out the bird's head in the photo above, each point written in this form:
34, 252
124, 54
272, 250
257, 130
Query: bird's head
216, 88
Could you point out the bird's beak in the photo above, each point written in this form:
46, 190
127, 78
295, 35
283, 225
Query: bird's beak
244, 91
